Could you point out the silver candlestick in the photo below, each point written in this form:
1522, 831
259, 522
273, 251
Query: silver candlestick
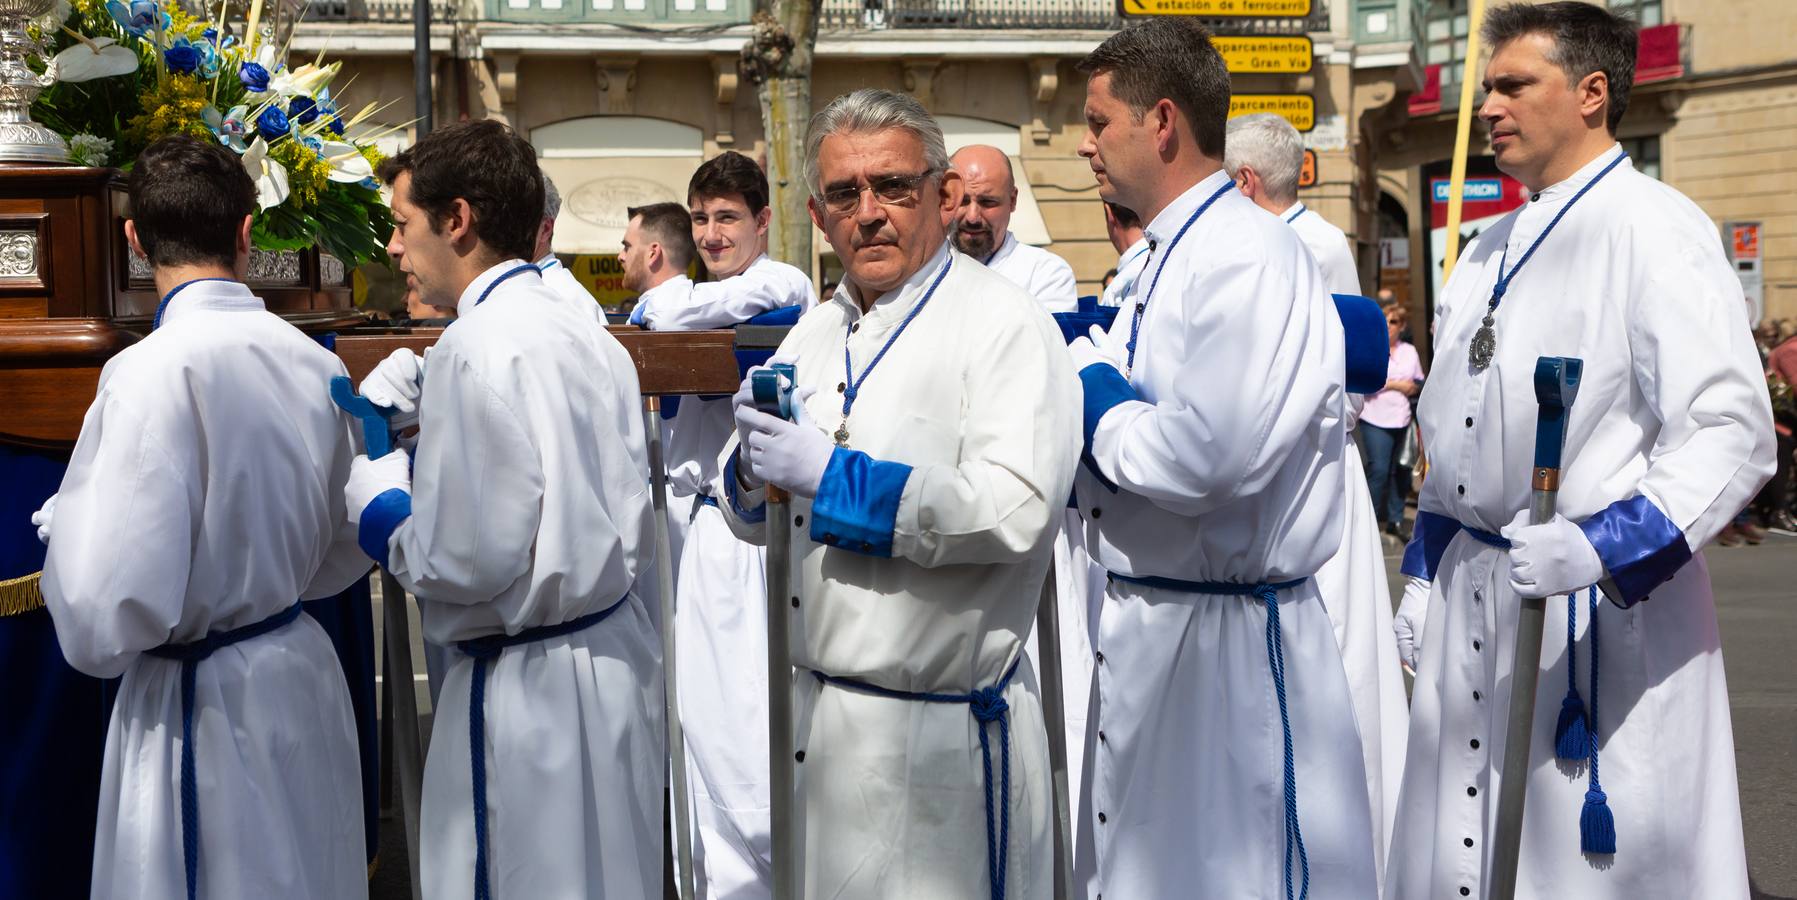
22, 140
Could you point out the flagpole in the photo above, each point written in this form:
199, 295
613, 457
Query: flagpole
1475, 16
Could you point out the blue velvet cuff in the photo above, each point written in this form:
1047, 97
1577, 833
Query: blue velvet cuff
857, 502
1639, 547
1365, 341
1428, 542
755, 515
1105, 388
379, 518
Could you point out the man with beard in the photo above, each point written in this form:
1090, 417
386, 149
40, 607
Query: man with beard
982, 230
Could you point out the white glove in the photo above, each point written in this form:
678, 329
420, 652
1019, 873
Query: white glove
396, 383
1413, 609
792, 455
42, 518
370, 478
1550, 559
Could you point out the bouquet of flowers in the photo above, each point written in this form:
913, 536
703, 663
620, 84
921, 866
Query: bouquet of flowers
129, 72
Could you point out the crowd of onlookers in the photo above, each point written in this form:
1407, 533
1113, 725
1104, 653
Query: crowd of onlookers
1776, 506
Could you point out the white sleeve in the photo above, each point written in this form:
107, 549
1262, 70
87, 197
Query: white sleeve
1055, 286
115, 573
344, 562
1260, 366
477, 488
721, 304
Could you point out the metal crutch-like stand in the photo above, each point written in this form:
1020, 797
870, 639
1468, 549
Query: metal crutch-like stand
1556, 386
1048, 656
775, 398
664, 577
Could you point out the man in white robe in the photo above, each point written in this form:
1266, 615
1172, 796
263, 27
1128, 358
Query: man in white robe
1669, 438
720, 628
982, 230
1264, 155
202, 503
1224, 760
1124, 228
524, 527
921, 536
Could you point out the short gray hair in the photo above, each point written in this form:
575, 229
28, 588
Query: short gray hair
872, 109
1270, 145
552, 198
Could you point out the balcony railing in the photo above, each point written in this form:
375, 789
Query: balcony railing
1047, 15
374, 10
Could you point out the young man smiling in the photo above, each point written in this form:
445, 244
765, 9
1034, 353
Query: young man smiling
721, 624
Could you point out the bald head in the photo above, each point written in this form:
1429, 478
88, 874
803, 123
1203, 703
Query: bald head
987, 201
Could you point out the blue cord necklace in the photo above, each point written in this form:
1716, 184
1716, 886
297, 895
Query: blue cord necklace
851, 384
162, 307
1135, 325
1484, 345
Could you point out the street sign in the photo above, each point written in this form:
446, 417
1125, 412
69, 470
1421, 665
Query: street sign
1298, 109
1307, 173
1270, 55
1259, 8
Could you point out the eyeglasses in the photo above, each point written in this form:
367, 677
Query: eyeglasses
890, 190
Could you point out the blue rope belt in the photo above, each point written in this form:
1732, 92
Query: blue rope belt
987, 705
189, 656
485, 650
1268, 594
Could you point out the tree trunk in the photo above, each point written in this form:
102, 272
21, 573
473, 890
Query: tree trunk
778, 59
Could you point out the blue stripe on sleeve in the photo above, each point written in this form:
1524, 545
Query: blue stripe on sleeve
380, 518
1639, 546
857, 503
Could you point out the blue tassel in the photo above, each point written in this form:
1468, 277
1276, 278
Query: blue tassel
1571, 734
1597, 825
1571, 737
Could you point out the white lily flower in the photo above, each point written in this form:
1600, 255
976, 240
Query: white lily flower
269, 175
98, 58
348, 165
305, 80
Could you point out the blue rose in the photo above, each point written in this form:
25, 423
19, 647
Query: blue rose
303, 110
272, 123
210, 35
182, 58
336, 125
254, 77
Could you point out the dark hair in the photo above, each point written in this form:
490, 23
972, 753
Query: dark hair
188, 198
1126, 217
487, 164
671, 226
1168, 58
1586, 39
729, 173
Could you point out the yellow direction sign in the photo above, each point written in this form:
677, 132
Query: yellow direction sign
1270, 55
1298, 109
1261, 8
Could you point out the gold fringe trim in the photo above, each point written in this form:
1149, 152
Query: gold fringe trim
21, 595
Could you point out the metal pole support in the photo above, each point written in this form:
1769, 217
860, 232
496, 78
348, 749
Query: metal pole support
664, 579
1048, 658
408, 741
788, 835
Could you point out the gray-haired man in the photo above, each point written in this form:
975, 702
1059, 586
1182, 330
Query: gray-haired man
928, 466
1264, 155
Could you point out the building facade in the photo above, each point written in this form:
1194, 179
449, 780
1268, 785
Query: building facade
625, 97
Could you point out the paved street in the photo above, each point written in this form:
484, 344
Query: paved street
1756, 590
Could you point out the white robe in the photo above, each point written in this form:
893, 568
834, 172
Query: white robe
1329, 245
1355, 589
931, 590
1043, 275
720, 629
1228, 468
531, 508
1129, 271
206, 494
1673, 417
